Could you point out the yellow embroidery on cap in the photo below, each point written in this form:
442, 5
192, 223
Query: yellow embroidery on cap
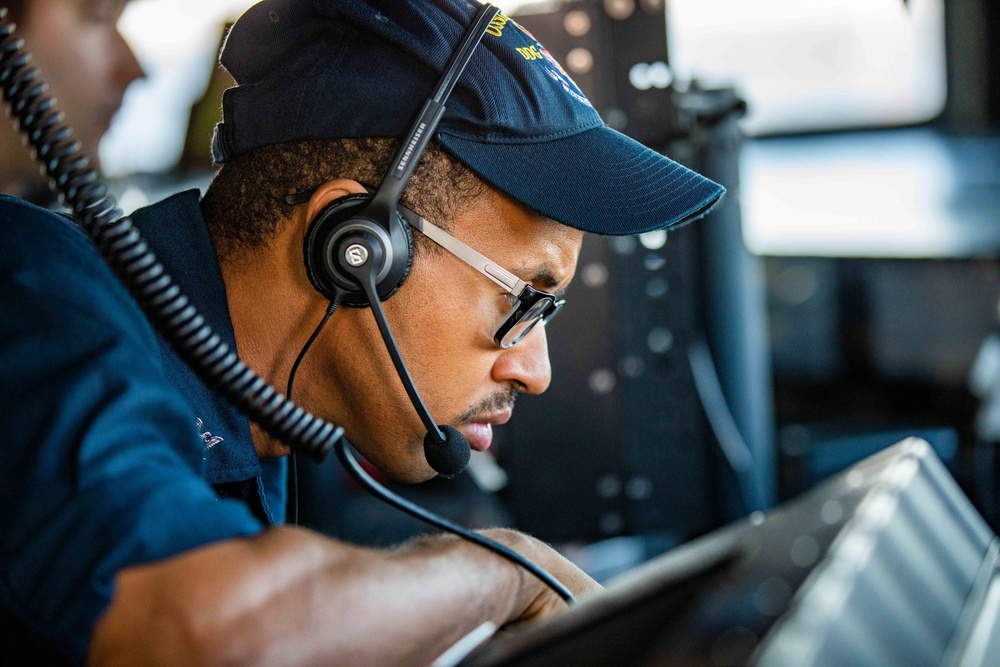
497, 25
530, 52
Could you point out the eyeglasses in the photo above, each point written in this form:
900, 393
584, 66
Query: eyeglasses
529, 306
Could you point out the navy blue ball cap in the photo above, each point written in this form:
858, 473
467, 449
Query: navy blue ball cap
328, 69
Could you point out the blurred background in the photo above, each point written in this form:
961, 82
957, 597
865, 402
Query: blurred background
844, 296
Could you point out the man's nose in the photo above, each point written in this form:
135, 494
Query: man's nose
526, 365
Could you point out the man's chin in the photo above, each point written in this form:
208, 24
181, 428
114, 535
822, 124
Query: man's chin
414, 474
415, 477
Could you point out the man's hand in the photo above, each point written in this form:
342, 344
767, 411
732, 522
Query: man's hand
535, 600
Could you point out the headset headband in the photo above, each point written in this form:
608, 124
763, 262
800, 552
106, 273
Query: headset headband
415, 141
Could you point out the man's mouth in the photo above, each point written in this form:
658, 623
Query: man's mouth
479, 430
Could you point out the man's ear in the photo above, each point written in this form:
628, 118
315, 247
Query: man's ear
329, 192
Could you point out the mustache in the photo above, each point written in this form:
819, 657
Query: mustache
503, 399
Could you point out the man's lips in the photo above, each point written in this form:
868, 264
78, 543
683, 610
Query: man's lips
479, 430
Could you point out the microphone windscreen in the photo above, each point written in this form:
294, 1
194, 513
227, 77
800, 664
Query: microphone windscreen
450, 457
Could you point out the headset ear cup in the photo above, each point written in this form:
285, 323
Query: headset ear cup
316, 250
340, 221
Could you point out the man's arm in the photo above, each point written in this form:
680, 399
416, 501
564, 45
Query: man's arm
292, 597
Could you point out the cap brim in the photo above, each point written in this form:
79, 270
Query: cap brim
598, 181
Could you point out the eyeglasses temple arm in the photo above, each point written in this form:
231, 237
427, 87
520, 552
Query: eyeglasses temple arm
497, 274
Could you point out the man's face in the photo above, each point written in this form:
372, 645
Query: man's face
443, 319
83, 57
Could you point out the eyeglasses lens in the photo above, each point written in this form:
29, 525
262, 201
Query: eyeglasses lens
527, 321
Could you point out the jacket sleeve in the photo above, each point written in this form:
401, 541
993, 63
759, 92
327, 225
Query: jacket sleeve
100, 459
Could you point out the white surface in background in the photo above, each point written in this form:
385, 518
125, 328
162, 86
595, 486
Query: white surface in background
815, 64
892, 193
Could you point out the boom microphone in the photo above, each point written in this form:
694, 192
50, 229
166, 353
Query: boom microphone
446, 450
451, 455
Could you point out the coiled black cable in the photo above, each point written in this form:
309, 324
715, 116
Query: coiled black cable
82, 190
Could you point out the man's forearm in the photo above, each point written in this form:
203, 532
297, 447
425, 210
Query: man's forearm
290, 596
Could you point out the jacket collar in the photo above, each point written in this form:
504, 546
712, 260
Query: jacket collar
175, 230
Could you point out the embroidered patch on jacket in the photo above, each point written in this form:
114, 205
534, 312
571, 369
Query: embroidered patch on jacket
210, 440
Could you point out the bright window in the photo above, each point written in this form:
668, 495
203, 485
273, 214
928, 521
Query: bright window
807, 65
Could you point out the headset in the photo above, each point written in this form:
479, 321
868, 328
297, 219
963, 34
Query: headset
358, 251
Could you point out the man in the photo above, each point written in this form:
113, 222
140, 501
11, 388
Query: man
88, 65
133, 537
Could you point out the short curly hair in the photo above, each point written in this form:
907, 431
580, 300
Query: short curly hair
245, 205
